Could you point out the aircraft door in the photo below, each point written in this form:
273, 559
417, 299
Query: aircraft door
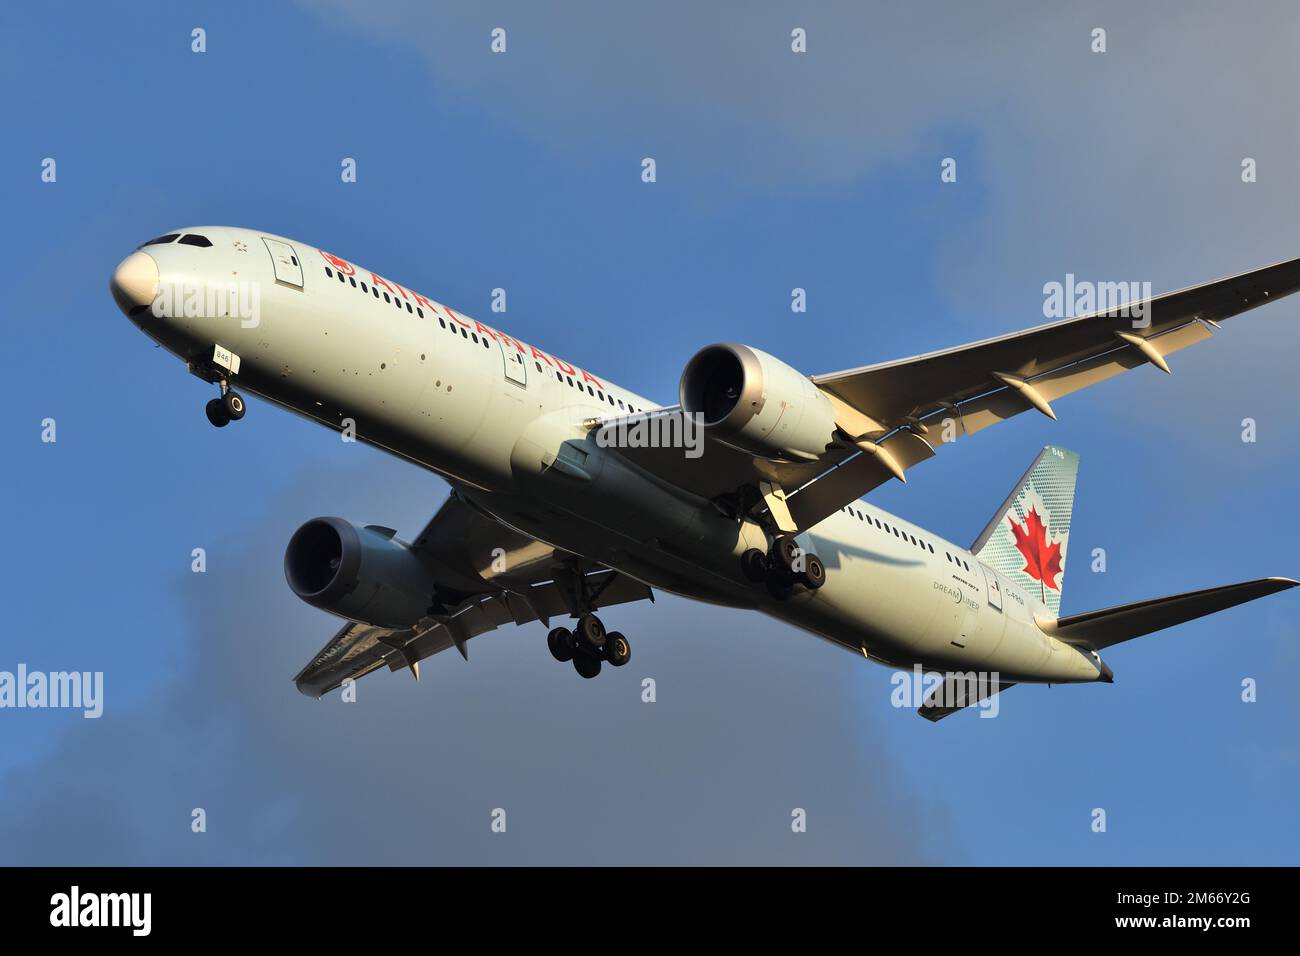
288, 270
516, 367
992, 589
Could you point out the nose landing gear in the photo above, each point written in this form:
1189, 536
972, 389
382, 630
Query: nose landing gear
226, 409
588, 646
785, 566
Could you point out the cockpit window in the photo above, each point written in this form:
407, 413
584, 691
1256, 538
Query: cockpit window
170, 237
195, 240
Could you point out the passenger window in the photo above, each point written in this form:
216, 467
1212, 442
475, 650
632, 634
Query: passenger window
202, 242
329, 273
342, 277
419, 311
353, 280
408, 307
375, 290
386, 298
363, 287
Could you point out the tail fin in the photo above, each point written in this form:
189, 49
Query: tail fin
1026, 540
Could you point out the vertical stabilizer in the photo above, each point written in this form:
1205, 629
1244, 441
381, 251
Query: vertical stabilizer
1027, 539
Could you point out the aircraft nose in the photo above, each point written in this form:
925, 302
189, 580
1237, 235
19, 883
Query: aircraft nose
135, 282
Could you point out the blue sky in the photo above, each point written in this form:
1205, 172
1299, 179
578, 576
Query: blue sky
523, 171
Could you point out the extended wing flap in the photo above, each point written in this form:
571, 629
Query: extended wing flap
354, 651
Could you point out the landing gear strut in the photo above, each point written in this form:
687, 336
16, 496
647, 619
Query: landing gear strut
588, 645
785, 566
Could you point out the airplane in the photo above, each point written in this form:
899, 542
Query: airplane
571, 495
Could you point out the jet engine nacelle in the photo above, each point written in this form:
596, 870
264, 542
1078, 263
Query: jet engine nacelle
362, 574
752, 401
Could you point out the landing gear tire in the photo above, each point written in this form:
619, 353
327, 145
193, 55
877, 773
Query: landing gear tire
786, 553
586, 665
217, 414
234, 405
754, 564
617, 649
591, 637
813, 575
560, 644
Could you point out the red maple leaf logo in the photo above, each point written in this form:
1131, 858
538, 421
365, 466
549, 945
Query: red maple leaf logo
1042, 560
342, 265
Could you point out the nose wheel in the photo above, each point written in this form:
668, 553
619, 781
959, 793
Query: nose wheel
228, 408
588, 646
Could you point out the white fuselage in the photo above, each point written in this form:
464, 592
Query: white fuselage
489, 413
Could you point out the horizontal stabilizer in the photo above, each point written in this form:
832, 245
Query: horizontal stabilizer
957, 692
1113, 625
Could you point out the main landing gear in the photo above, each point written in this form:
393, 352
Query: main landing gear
783, 568
588, 646
226, 409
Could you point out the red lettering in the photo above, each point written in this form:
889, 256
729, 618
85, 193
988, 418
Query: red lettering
484, 330
509, 341
540, 355
378, 281
565, 367
421, 300
454, 317
592, 378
